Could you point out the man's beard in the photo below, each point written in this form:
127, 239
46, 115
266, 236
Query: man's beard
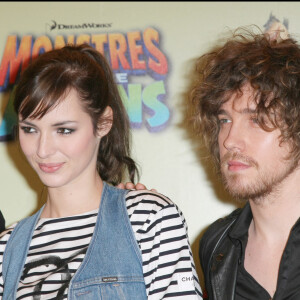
266, 182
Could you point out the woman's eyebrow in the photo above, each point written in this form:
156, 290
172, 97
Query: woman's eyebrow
26, 122
63, 123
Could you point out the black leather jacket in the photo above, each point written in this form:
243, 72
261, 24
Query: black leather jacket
2, 222
220, 256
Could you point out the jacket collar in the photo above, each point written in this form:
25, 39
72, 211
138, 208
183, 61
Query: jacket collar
241, 226
226, 259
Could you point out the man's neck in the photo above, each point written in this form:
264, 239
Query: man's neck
273, 218
275, 214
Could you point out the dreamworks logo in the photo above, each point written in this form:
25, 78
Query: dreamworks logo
59, 26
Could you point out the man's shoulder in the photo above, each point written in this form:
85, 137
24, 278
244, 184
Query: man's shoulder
218, 226
215, 231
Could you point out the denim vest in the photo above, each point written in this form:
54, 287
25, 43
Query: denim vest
112, 266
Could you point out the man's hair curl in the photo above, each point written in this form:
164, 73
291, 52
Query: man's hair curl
271, 67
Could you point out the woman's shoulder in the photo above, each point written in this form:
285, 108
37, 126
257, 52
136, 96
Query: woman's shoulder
5, 234
149, 210
146, 198
4, 237
7, 231
149, 203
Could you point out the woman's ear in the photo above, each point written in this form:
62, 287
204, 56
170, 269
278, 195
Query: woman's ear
105, 122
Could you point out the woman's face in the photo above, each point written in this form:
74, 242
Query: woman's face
61, 146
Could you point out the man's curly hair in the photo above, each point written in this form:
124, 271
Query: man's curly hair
272, 69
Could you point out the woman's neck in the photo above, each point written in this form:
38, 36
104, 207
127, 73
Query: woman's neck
73, 199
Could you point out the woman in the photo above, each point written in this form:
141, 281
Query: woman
90, 240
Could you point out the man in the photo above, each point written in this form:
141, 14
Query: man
248, 112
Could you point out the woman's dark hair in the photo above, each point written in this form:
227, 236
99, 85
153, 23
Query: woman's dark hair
271, 67
45, 82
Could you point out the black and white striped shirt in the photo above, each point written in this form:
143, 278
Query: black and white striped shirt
59, 245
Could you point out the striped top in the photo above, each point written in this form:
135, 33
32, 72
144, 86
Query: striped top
58, 247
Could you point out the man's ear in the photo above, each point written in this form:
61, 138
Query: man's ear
105, 122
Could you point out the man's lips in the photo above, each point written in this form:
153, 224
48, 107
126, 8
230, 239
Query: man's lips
234, 165
50, 167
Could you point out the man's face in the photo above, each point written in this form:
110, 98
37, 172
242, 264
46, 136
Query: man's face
253, 162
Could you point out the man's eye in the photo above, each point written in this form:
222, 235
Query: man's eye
28, 129
254, 120
65, 131
224, 120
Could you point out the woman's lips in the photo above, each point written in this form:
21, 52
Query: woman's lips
237, 166
51, 167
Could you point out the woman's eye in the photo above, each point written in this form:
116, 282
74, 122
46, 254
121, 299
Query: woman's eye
65, 131
28, 129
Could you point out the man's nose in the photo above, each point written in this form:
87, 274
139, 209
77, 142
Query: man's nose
235, 138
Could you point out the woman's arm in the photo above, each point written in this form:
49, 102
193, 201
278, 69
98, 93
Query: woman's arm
161, 232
